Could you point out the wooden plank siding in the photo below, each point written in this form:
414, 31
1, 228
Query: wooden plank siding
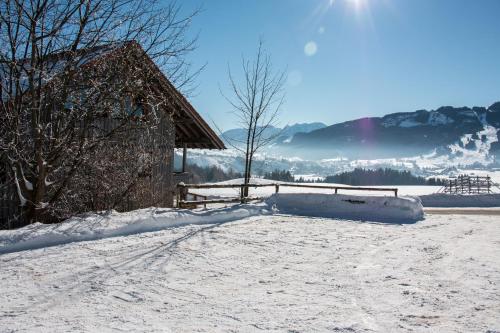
9, 206
177, 125
154, 189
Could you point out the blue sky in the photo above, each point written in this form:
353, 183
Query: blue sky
365, 57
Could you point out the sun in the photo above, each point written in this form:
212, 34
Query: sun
358, 8
357, 4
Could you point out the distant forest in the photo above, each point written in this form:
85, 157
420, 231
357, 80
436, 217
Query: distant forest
280, 175
361, 177
211, 174
356, 177
386, 176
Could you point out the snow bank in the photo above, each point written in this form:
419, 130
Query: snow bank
449, 200
113, 224
368, 208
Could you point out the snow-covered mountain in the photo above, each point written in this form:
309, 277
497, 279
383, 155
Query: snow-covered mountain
424, 142
447, 130
288, 132
283, 135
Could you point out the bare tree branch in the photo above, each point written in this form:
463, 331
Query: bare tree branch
256, 102
66, 67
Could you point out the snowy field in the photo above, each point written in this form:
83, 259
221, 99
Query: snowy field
277, 273
267, 191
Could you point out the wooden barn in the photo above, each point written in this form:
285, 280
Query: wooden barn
104, 185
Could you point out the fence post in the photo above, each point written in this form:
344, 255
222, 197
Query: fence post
336, 190
277, 188
396, 192
182, 193
242, 194
178, 197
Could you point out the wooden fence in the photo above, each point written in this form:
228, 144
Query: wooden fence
183, 192
465, 184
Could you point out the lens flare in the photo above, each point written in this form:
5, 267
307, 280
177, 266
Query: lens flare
310, 48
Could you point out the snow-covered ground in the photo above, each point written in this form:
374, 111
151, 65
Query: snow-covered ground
276, 273
94, 226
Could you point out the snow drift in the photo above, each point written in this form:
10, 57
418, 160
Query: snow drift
113, 224
450, 200
97, 226
368, 208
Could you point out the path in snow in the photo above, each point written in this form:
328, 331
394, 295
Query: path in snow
273, 273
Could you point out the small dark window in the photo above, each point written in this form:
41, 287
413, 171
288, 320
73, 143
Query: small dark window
68, 105
134, 108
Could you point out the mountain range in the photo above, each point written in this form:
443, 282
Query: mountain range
431, 142
279, 135
446, 130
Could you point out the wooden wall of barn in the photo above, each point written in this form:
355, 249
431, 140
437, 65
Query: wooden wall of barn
9, 203
161, 181
155, 188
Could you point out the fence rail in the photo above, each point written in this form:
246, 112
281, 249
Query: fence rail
183, 192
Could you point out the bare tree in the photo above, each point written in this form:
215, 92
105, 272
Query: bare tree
67, 64
256, 102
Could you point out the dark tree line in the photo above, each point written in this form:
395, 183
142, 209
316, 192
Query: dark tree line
280, 175
360, 177
357, 177
211, 174
380, 176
